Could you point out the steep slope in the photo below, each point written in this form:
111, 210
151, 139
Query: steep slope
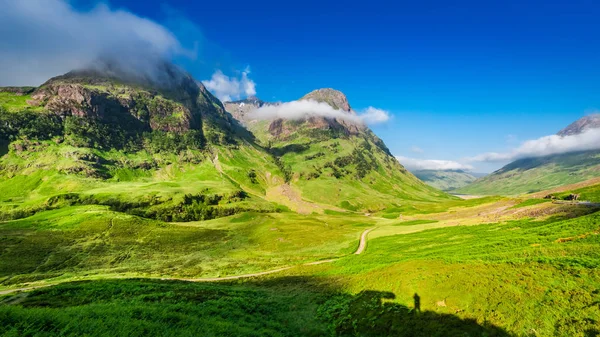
335, 161
165, 151
445, 180
537, 174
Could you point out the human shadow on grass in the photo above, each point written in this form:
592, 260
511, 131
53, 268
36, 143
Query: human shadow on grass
276, 306
371, 313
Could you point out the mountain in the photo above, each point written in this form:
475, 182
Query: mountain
169, 150
581, 125
334, 160
537, 174
166, 151
445, 180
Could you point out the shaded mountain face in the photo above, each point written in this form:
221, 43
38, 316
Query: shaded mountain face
541, 173
137, 104
445, 180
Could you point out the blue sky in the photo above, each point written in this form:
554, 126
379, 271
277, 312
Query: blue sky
459, 78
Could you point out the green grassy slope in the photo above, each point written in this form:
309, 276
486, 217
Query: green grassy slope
512, 278
537, 174
290, 306
530, 277
445, 180
91, 240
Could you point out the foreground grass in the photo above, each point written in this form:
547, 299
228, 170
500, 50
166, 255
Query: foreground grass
524, 277
291, 306
537, 278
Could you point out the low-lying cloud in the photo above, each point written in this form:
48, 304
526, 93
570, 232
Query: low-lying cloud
45, 38
413, 164
310, 108
544, 146
230, 88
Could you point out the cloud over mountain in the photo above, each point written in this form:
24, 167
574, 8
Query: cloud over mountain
296, 110
548, 145
413, 164
45, 38
230, 88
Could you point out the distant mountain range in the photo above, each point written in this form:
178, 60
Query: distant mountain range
447, 180
541, 173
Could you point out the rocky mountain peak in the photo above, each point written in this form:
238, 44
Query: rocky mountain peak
581, 125
167, 100
333, 97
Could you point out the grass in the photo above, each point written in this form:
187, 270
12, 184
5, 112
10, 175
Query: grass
589, 193
91, 240
531, 202
14, 103
497, 279
289, 306
508, 274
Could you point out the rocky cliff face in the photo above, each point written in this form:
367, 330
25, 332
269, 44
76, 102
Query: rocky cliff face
581, 125
182, 105
337, 100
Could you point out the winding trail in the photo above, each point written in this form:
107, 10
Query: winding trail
361, 248
363, 242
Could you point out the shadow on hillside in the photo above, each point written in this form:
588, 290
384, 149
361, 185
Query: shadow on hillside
370, 313
289, 306
290, 148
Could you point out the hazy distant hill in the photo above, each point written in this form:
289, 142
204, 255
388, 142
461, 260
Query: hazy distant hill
445, 180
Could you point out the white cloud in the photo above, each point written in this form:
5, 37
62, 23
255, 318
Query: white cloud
548, 145
230, 88
45, 38
373, 115
416, 149
306, 108
413, 164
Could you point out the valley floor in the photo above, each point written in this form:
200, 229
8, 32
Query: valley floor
481, 267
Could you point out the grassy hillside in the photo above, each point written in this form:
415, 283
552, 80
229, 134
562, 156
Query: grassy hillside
494, 276
445, 180
537, 174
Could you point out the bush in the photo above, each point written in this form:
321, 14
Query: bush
29, 125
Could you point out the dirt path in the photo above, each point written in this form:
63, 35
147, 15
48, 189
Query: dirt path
363, 242
361, 247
